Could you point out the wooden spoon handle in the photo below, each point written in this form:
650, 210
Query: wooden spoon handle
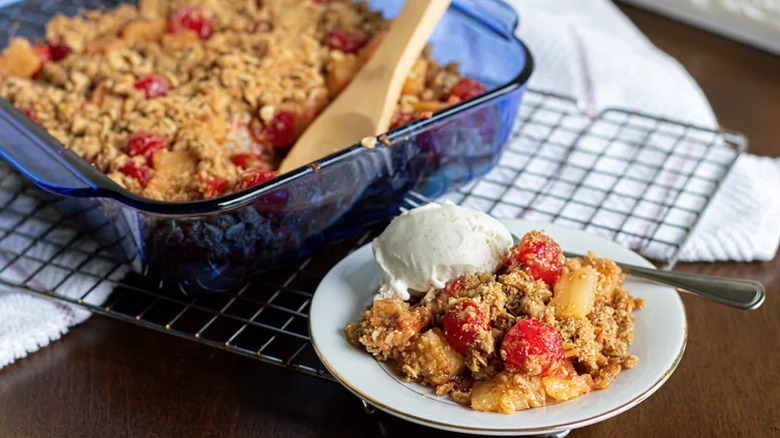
366, 106
391, 64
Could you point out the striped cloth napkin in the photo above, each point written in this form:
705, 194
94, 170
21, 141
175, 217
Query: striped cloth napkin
27, 228
591, 51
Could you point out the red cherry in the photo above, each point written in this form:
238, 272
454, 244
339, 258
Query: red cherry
58, 51
152, 85
539, 256
43, 52
401, 119
304, 117
453, 286
271, 205
273, 201
248, 161
29, 113
140, 172
346, 40
531, 341
465, 89
253, 177
280, 131
461, 323
190, 18
45, 55
211, 184
145, 144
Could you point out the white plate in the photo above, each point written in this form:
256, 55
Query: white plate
342, 296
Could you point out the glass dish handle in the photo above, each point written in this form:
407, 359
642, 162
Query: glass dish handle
38, 155
495, 14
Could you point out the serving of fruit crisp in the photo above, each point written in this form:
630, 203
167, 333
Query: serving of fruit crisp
539, 328
178, 100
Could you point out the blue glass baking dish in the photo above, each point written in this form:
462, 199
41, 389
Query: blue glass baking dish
219, 244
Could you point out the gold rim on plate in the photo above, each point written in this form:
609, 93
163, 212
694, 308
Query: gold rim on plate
533, 430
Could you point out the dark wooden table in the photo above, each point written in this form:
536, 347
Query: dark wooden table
108, 378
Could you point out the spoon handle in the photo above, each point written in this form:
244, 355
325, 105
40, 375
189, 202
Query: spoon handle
365, 107
734, 292
390, 65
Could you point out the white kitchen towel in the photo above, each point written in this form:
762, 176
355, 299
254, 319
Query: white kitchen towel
591, 51
586, 49
28, 323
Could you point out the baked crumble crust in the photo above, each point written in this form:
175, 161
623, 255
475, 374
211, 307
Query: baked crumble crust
595, 346
228, 85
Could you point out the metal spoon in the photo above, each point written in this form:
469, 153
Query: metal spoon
734, 292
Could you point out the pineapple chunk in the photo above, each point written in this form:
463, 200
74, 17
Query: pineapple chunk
217, 128
562, 389
341, 70
183, 41
433, 359
428, 105
143, 30
507, 392
575, 292
415, 82
172, 164
106, 44
150, 8
19, 59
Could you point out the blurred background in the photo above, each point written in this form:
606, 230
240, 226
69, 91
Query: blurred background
753, 22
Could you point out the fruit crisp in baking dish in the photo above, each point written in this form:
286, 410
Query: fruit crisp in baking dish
179, 100
540, 328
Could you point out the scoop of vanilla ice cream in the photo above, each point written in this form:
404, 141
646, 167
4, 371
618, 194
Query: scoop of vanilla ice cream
426, 247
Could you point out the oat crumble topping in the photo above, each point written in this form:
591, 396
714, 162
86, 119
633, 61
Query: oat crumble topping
473, 362
178, 100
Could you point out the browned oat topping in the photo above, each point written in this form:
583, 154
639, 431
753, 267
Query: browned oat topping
179, 100
586, 312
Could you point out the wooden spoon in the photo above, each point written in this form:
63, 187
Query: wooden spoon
366, 105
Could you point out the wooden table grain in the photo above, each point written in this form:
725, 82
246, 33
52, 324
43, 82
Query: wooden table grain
108, 378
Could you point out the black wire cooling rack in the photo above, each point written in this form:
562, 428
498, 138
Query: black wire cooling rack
633, 178
630, 177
